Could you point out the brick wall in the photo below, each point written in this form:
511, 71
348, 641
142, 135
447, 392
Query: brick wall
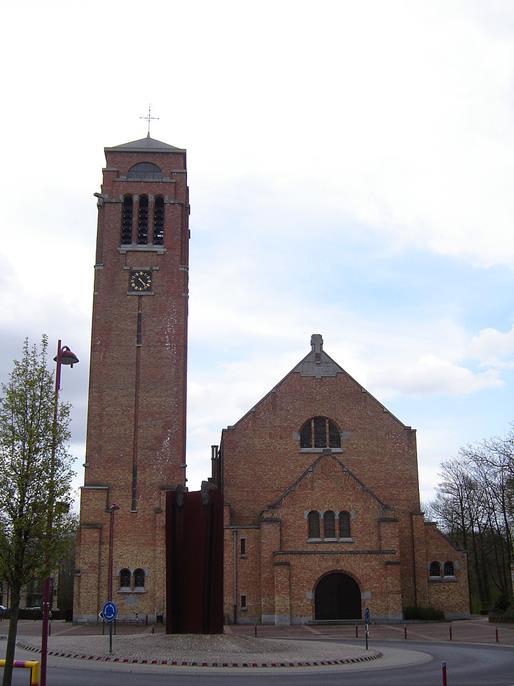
447, 593
271, 483
137, 393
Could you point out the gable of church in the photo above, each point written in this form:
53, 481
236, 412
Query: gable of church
269, 448
329, 505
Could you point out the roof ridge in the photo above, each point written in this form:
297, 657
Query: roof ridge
146, 144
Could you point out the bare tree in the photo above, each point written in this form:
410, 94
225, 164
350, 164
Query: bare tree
34, 480
474, 505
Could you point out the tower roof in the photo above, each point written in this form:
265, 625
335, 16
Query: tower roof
146, 144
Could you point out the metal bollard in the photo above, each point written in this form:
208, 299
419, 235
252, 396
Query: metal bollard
356, 631
28, 664
444, 675
497, 638
255, 630
451, 634
405, 631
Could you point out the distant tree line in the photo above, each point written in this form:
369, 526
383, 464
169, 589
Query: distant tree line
474, 506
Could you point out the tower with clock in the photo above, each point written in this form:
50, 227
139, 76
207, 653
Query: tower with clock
136, 426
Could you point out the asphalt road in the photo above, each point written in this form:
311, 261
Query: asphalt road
467, 665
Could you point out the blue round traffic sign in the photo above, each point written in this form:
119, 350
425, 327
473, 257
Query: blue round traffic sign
109, 611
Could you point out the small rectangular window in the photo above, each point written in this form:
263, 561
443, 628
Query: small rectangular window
306, 435
329, 525
142, 221
313, 524
126, 220
344, 525
242, 547
138, 329
320, 432
158, 221
243, 602
334, 437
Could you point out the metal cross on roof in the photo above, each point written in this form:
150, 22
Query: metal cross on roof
149, 118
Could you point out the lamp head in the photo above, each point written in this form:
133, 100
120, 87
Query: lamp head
67, 357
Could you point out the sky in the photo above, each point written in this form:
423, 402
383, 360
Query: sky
351, 173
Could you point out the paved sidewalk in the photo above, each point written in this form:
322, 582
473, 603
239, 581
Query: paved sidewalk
250, 646
476, 630
202, 650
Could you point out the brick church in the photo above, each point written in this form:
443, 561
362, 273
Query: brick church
320, 481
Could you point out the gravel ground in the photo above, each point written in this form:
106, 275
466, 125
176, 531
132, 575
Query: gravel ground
206, 648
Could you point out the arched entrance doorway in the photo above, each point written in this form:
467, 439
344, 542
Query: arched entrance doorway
337, 596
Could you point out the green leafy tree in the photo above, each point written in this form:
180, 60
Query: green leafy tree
35, 476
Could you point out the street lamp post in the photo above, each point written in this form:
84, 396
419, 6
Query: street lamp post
112, 509
67, 357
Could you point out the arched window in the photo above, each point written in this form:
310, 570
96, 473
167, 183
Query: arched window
126, 220
142, 220
344, 525
144, 171
313, 524
435, 569
139, 578
320, 432
329, 524
449, 569
125, 578
158, 221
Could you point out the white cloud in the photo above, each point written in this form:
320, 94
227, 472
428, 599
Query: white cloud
431, 374
390, 358
436, 443
404, 123
397, 114
392, 119
493, 348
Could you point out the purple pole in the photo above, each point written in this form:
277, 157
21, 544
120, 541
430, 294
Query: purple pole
69, 358
46, 585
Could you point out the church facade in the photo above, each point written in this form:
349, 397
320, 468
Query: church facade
322, 511
320, 484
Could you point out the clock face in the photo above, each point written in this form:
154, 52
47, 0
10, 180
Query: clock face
140, 281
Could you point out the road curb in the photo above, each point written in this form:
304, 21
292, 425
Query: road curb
201, 663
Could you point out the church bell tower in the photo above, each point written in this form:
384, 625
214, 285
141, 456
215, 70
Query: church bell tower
136, 427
